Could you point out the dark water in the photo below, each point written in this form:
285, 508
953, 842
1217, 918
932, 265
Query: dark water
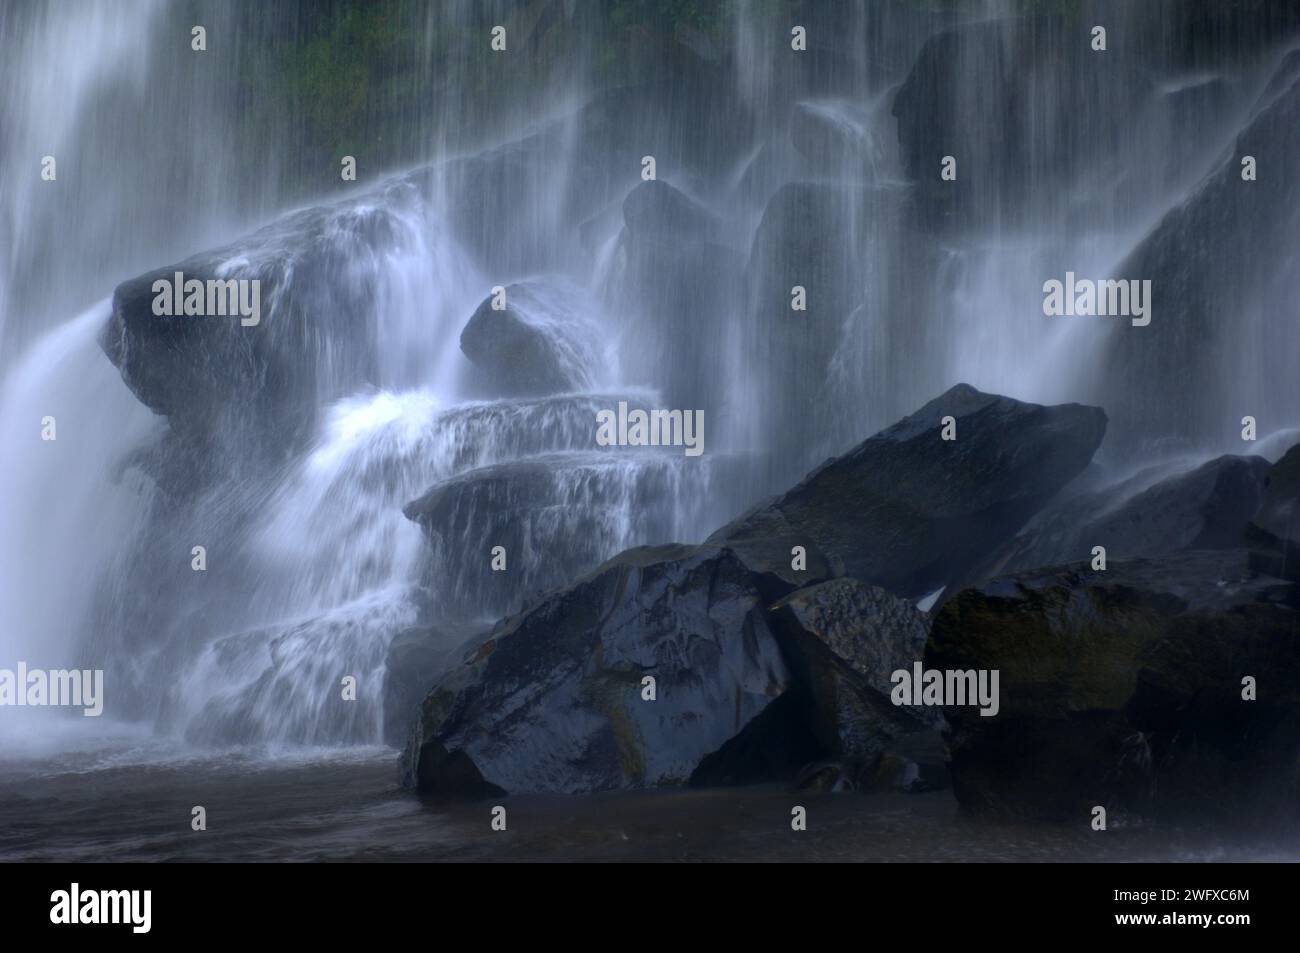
347, 807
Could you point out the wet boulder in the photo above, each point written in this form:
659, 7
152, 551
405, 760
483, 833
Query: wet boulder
850, 718
807, 238
1165, 689
1204, 507
667, 102
846, 639
539, 341
261, 376
749, 683
480, 196
837, 728
914, 513
1207, 34
556, 698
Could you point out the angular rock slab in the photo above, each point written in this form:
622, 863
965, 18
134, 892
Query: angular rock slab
873, 631
552, 701
911, 512
836, 728
1205, 507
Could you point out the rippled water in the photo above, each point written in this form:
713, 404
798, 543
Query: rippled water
133, 802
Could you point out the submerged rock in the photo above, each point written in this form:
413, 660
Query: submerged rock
912, 512
1124, 689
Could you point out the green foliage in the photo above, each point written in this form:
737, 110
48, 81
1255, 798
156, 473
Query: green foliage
336, 76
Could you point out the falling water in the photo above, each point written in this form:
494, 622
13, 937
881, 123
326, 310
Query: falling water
347, 476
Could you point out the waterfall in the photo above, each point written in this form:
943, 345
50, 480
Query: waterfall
72, 505
232, 521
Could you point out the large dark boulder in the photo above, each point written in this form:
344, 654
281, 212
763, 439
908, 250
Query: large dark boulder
751, 686
553, 699
808, 236
315, 340
1204, 507
542, 342
1124, 689
913, 513
661, 113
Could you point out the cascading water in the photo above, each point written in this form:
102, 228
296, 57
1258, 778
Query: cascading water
347, 471
77, 498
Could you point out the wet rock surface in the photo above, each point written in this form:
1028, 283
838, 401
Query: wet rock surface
1124, 689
